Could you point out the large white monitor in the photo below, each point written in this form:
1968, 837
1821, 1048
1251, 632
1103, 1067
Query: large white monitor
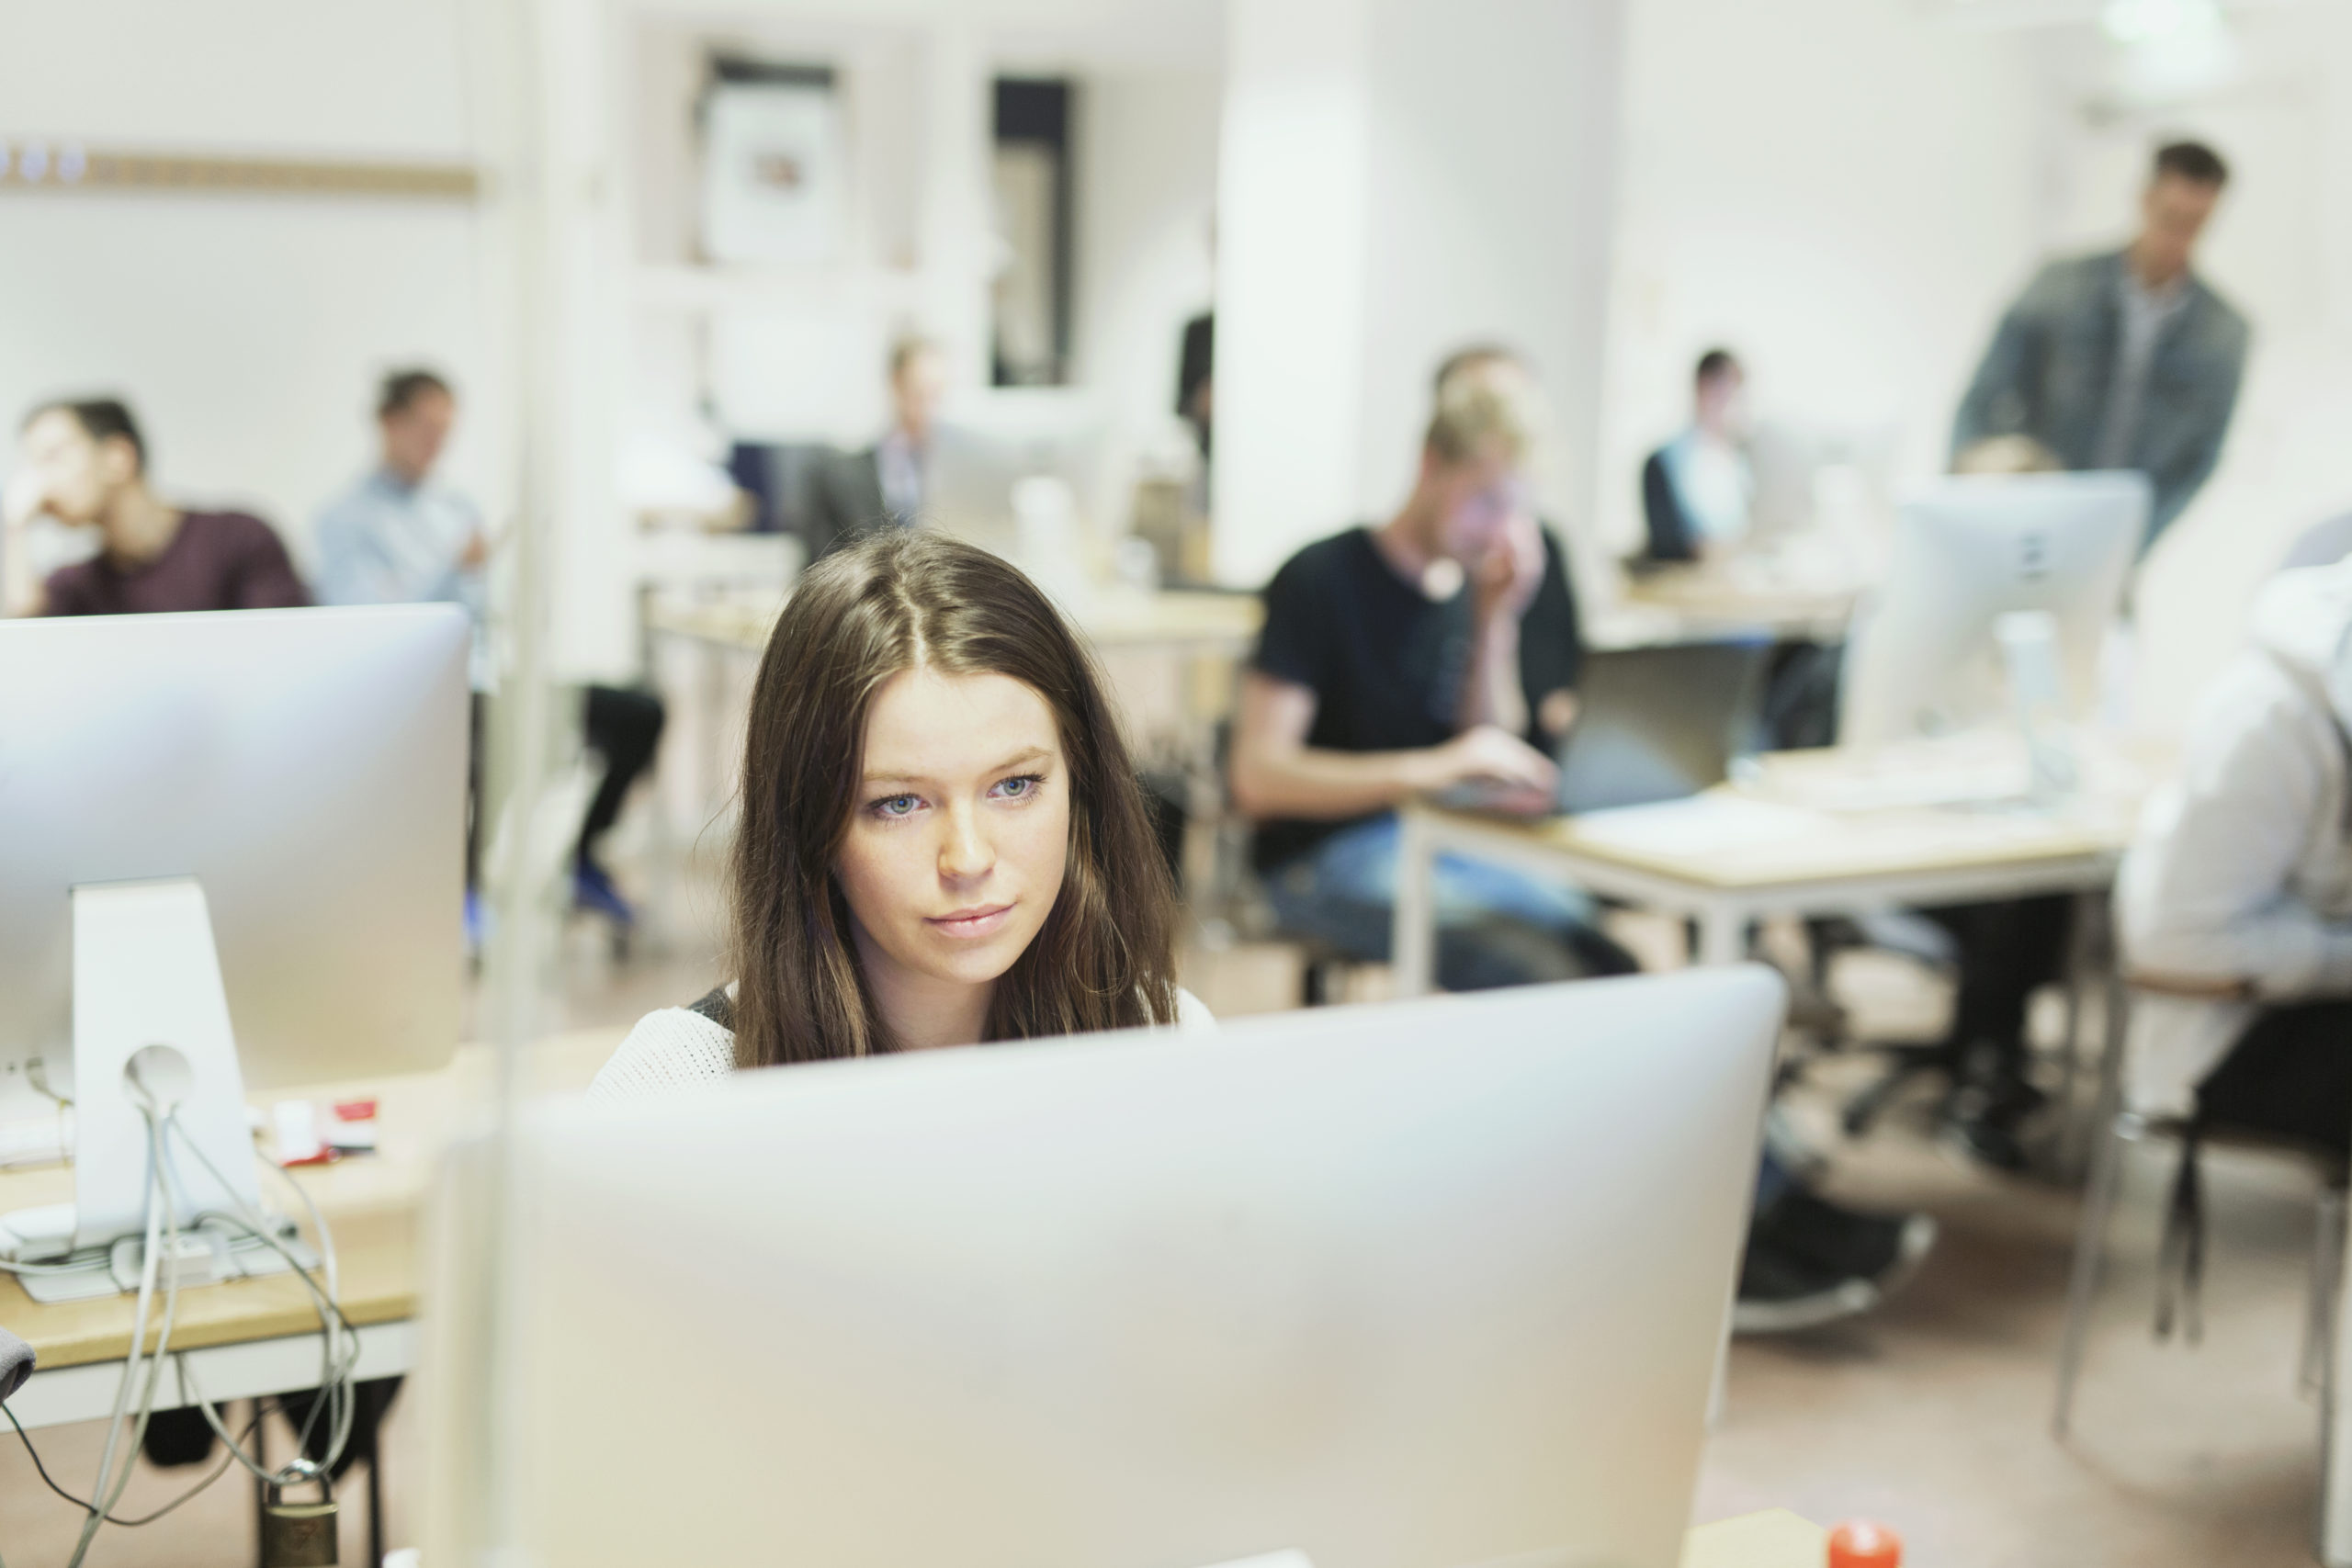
1416, 1286
1923, 657
305, 768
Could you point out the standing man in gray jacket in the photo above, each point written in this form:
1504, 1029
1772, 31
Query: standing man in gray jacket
2126, 359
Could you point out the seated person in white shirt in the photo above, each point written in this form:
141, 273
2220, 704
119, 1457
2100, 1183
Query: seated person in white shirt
944, 839
1696, 489
2234, 905
2235, 900
886, 485
400, 537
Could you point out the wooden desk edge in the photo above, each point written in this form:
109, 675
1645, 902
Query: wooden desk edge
1557, 835
1773, 1539
276, 1320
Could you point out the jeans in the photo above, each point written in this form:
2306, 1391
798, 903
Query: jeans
1496, 926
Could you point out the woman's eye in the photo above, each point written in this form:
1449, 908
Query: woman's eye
895, 805
1018, 788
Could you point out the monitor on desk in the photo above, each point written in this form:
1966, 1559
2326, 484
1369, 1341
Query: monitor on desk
1923, 657
240, 836
1415, 1286
306, 768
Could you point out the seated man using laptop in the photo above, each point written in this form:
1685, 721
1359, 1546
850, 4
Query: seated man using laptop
1438, 649
1434, 649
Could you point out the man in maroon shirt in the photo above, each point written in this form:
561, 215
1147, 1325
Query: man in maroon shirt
84, 464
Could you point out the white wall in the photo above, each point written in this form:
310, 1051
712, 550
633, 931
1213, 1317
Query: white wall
246, 331
1400, 179
1145, 191
1842, 191
1292, 206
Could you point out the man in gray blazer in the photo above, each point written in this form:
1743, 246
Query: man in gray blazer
2125, 359
886, 484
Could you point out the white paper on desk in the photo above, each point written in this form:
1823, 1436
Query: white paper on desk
1703, 825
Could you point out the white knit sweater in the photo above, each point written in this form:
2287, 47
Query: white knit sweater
676, 1046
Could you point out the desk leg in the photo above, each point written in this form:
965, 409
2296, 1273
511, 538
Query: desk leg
1413, 935
2087, 944
1722, 931
2335, 1431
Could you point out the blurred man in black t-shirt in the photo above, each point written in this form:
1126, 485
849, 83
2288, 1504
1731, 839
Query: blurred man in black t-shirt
1443, 645
1440, 647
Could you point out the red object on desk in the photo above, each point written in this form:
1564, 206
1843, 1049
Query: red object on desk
1858, 1543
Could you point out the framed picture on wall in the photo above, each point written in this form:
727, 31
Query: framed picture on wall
772, 171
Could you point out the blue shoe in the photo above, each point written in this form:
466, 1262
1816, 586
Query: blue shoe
593, 890
477, 924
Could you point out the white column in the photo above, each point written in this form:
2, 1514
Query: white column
1293, 183
951, 218
1400, 179
591, 612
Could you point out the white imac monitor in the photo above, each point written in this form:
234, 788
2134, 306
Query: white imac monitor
1424, 1285
240, 835
1924, 659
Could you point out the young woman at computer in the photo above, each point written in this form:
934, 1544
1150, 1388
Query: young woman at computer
943, 839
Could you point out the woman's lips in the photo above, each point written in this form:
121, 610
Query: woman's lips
968, 923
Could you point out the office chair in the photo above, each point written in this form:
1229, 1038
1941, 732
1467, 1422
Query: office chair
2115, 1129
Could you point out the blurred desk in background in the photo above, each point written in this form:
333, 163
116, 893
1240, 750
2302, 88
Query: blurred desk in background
1192, 621
1687, 603
1171, 655
1809, 833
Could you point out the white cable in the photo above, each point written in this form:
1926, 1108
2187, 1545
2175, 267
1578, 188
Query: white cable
162, 1217
335, 1373
131, 1365
334, 1291
332, 1377
337, 1364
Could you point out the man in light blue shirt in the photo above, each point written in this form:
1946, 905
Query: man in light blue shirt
396, 537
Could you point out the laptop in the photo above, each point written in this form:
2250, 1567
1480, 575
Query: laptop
1652, 724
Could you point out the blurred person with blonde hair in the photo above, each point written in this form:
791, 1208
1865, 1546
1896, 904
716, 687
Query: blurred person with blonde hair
1438, 646
1441, 646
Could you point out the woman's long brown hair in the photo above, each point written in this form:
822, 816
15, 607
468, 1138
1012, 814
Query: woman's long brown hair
1105, 957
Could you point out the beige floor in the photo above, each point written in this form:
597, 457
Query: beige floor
1930, 1415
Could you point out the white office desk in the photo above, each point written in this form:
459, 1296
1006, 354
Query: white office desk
1174, 620
1687, 603
250, 1338
1729, 857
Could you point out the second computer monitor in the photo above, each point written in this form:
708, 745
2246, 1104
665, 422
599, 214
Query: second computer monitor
305, 768
1924, 660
